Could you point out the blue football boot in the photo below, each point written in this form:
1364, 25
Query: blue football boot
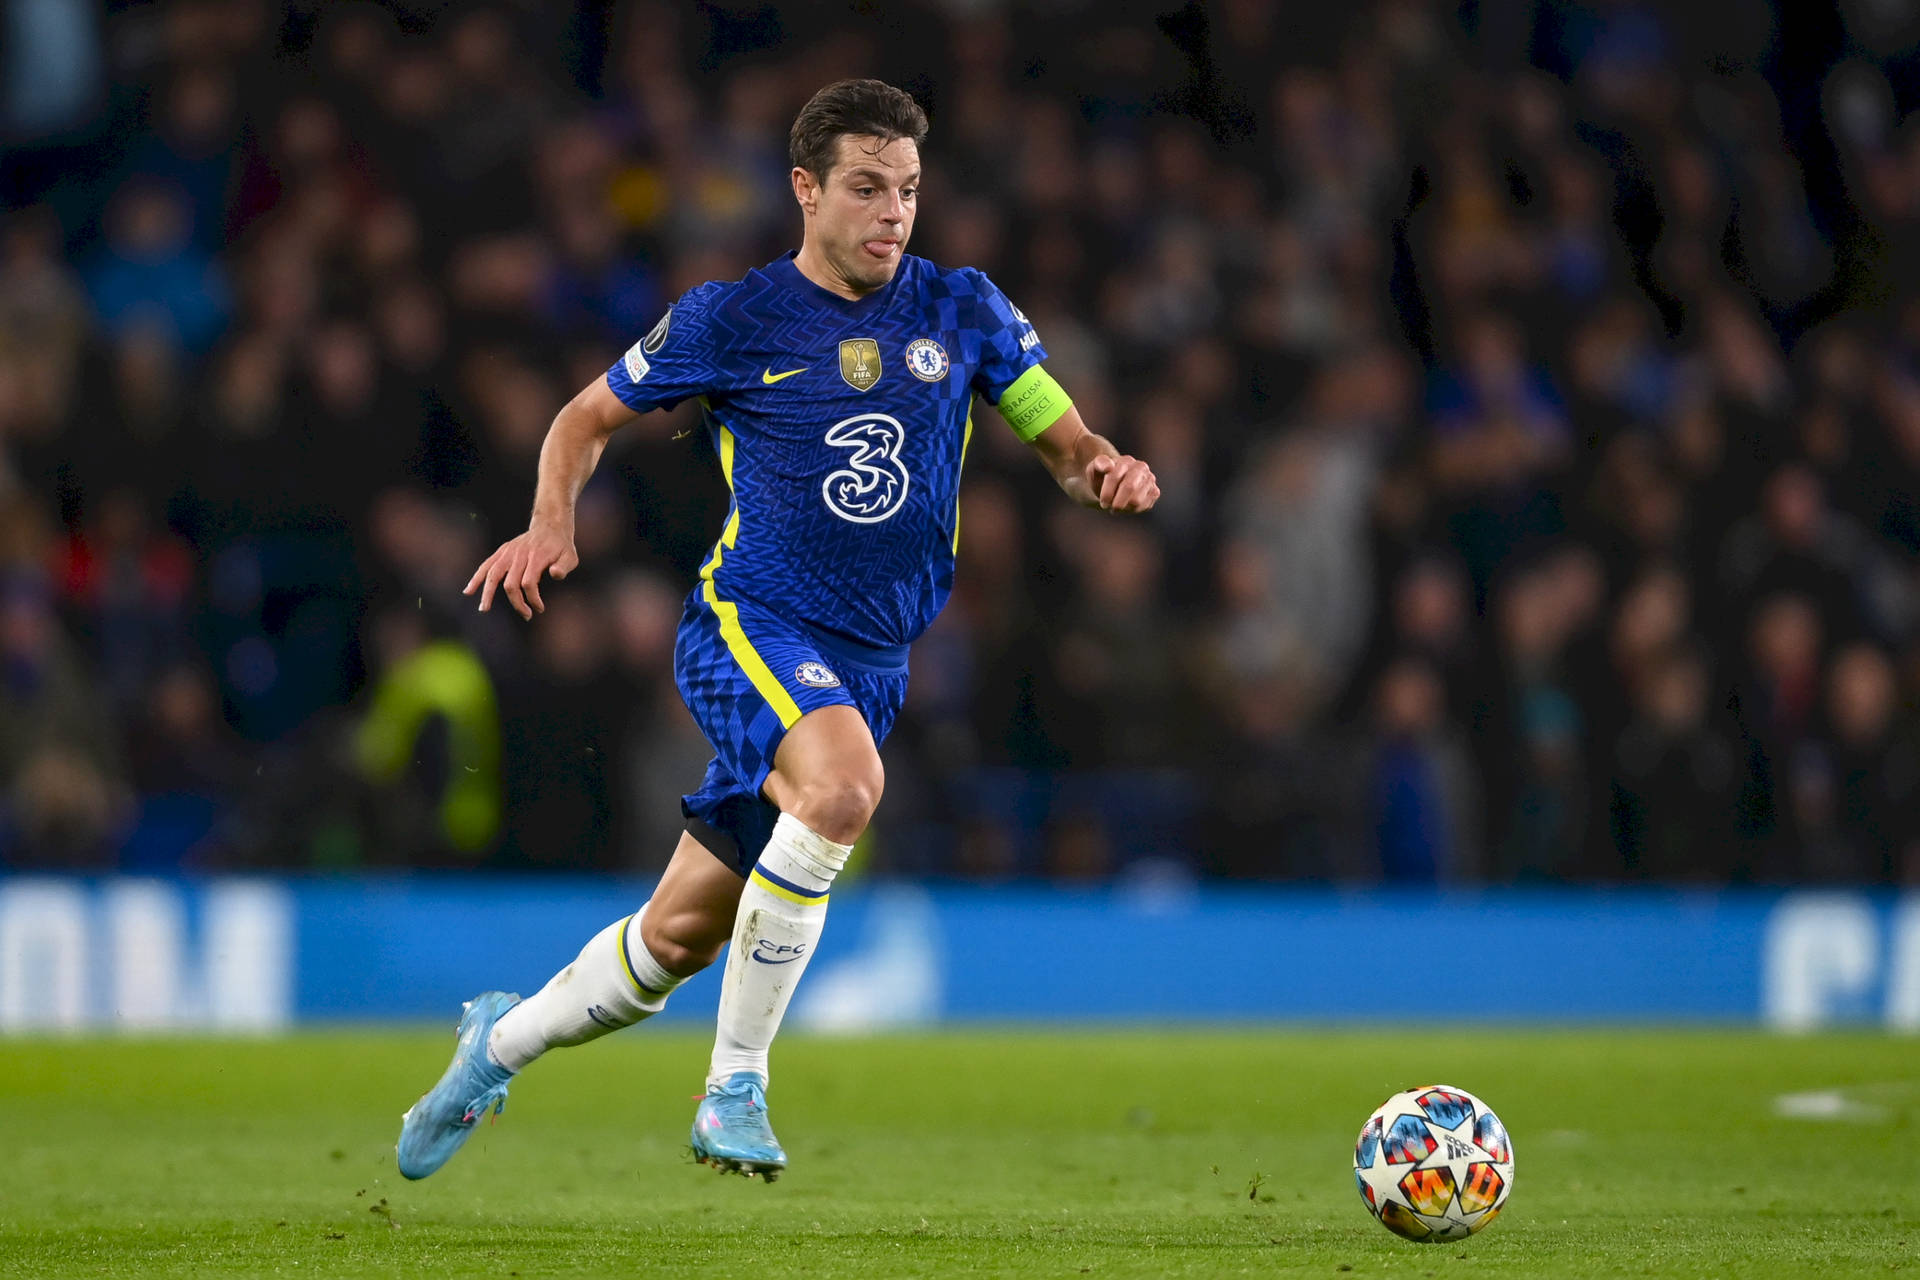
440, 1123
730, 1130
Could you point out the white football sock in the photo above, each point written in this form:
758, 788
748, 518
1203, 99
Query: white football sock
782, 910
615, 982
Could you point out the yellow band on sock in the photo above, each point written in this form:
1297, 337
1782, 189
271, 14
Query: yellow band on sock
789, 892
626, 962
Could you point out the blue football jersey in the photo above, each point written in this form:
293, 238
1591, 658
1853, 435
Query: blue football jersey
841, 427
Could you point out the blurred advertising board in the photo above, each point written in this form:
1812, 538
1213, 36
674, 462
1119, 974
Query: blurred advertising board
260, 955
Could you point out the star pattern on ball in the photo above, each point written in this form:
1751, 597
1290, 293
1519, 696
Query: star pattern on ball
1434, 1164
1455, 1150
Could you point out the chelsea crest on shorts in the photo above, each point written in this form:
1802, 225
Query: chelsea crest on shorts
816, 675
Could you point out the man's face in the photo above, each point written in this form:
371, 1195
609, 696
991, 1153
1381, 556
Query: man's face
862, 214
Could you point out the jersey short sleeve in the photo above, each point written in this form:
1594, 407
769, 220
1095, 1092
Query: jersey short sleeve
1008, 344
674, 362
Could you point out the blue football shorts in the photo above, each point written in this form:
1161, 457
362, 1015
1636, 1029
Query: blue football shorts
748, 675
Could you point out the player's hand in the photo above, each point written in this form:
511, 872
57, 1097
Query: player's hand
516, 568
1123, 485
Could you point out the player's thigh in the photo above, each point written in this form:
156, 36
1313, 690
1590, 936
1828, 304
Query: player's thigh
690, 916
826, 771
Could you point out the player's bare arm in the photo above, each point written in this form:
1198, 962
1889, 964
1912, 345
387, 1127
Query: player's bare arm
1091, 471
567, 458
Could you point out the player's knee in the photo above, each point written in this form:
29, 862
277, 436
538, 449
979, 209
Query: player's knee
684, 942
840, 805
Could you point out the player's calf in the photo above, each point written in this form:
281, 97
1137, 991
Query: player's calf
686, 940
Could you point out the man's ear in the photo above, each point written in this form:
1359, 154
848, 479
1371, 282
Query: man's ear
805, 189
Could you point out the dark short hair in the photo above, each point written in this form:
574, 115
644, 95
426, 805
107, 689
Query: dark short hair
863, 108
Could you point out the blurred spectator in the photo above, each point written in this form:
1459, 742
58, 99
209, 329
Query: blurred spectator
659, 746
1500, 431
1536, 734
128, 585
1432, 617
1798, 543
59, 756
1281, 804
1675, 777
149, 271
192, 145
43, 328
51, 63
1875, 771
1776, 704
1420, 783
188, 768
1301, 512
431, 741
1115, 659
563, 720
1618, 583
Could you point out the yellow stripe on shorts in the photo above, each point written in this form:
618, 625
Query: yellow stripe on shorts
729, 614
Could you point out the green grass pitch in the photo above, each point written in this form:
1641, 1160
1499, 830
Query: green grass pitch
970, 1153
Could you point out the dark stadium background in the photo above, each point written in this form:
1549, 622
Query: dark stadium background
1534, 389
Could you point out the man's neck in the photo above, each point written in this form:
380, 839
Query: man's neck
812, 264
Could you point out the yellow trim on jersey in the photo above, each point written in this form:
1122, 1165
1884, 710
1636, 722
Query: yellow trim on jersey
729, 614
965, 440
779, 892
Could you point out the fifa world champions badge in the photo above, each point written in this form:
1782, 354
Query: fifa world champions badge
860, 362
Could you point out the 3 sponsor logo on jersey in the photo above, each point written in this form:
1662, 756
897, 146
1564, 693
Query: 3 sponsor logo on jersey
873, 483
766, 951
816, 675
927, 360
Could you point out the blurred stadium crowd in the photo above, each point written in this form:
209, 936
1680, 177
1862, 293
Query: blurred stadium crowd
1534, 388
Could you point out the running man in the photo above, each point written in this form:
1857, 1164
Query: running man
838, 383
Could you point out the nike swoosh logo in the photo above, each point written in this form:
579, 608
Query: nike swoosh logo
770, 377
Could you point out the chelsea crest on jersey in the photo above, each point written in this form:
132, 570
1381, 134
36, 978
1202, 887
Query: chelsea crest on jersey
841, 427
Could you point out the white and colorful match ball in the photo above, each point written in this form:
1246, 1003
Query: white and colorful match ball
1434, 1164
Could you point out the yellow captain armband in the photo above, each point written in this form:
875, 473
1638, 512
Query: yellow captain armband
1033, 403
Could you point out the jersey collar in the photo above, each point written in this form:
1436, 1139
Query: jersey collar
783, 270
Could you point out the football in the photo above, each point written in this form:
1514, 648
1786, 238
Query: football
1434, 1164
